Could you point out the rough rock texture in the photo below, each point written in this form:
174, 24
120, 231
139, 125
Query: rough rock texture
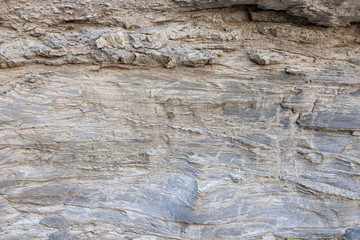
328, 13
179, 119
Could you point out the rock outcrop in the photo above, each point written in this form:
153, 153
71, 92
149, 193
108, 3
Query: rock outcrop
179, 119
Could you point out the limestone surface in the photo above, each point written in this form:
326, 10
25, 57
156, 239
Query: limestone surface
179, 119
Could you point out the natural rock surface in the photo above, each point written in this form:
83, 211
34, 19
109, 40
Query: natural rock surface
179, 119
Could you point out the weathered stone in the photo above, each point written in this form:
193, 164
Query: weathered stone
332, 120
264, 57
351, 234
315, 11
294, 70
116, 40
199, 58
150, 120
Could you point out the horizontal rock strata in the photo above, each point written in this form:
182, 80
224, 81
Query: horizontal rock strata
179, 119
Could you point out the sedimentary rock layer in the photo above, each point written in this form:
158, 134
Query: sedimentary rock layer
179, 120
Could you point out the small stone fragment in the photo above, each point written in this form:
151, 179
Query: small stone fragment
294, 70
356, 133
199, 58
115, 40
37, 32
265, 57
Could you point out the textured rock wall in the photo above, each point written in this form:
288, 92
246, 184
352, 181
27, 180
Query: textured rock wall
179, 119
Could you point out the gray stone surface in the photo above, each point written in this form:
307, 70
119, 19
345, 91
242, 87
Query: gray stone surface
179, 120
351, 234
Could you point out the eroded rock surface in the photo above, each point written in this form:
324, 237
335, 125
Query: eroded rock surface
179, 120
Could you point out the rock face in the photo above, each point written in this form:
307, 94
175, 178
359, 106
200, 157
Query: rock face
179, 119
328, 13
